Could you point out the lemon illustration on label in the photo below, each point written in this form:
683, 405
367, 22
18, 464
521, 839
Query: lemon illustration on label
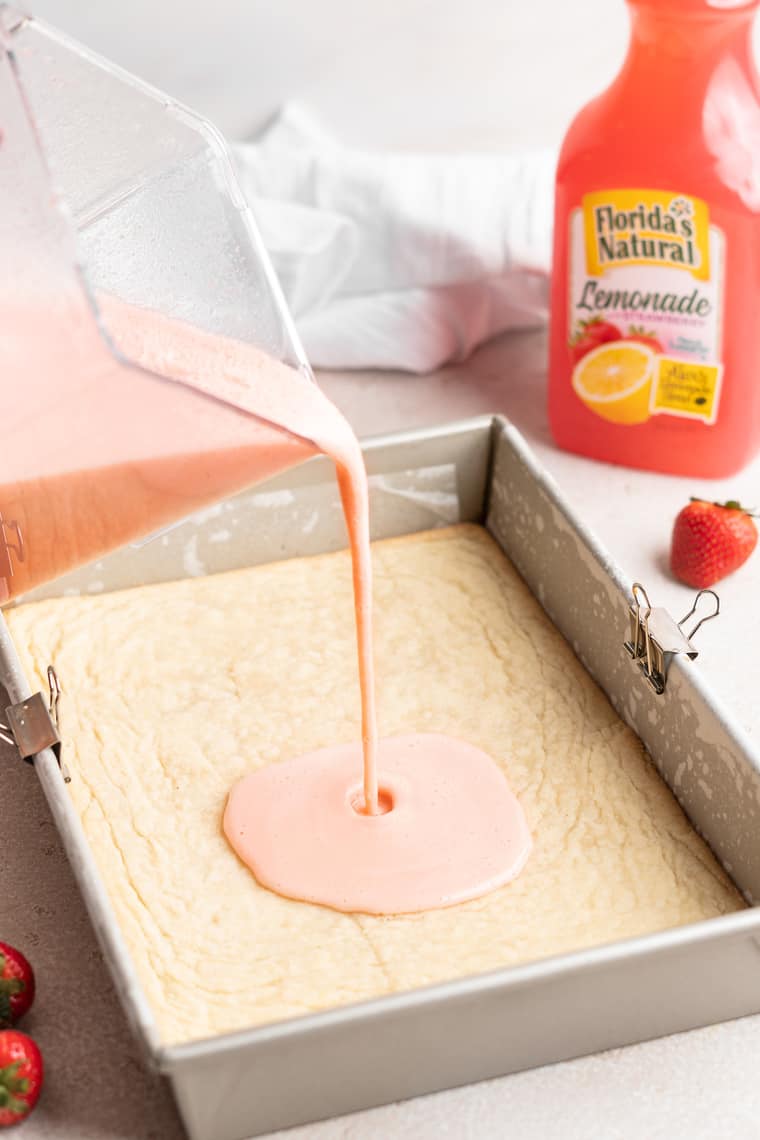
615, 381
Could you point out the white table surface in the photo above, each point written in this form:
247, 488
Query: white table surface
494, 73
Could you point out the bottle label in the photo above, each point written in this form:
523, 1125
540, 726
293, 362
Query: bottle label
646, 305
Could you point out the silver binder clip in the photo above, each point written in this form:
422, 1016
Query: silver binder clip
655, 637
33, 724
11, 543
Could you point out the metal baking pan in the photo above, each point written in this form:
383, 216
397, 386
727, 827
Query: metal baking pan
345, 1059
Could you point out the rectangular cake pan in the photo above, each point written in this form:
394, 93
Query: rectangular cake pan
255, 1081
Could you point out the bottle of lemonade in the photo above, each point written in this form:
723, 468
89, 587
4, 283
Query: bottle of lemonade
655, 339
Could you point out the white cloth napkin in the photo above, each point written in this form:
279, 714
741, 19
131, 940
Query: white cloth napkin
395, 260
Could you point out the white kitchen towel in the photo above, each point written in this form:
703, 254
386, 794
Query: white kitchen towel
399, 260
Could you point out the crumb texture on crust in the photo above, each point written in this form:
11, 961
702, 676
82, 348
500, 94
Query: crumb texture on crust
198, 682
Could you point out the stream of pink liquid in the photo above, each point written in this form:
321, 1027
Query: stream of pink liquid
120, 454
289, 399
434, 821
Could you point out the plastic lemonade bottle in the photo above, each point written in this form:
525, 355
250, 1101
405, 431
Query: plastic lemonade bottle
655, 338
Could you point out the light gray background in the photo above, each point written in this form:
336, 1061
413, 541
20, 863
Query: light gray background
415, 75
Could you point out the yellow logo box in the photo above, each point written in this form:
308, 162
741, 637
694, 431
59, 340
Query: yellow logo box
646, 227
686, 388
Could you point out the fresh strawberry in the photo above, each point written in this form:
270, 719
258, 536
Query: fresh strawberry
16, 985
590, 334
710, 540
21, 1075
641, 336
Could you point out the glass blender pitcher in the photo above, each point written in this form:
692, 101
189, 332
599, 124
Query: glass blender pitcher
128, 255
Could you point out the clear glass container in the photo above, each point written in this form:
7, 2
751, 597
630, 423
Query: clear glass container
122, 228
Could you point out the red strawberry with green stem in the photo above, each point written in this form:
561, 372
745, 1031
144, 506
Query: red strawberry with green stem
16, 985
710, 541
591, 334
642, 336
21, 1075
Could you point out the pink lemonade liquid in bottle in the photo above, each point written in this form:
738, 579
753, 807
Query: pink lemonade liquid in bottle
655, 331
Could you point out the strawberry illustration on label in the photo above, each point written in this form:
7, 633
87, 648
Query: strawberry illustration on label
590, 334
643, 336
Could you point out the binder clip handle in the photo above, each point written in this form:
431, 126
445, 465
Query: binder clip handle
14, 541
707, 617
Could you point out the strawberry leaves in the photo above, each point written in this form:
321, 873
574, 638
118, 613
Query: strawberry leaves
12, 1087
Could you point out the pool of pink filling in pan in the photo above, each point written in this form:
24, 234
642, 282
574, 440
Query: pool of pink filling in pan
448, 828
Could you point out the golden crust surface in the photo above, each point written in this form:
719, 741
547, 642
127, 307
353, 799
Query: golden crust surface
197, 682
